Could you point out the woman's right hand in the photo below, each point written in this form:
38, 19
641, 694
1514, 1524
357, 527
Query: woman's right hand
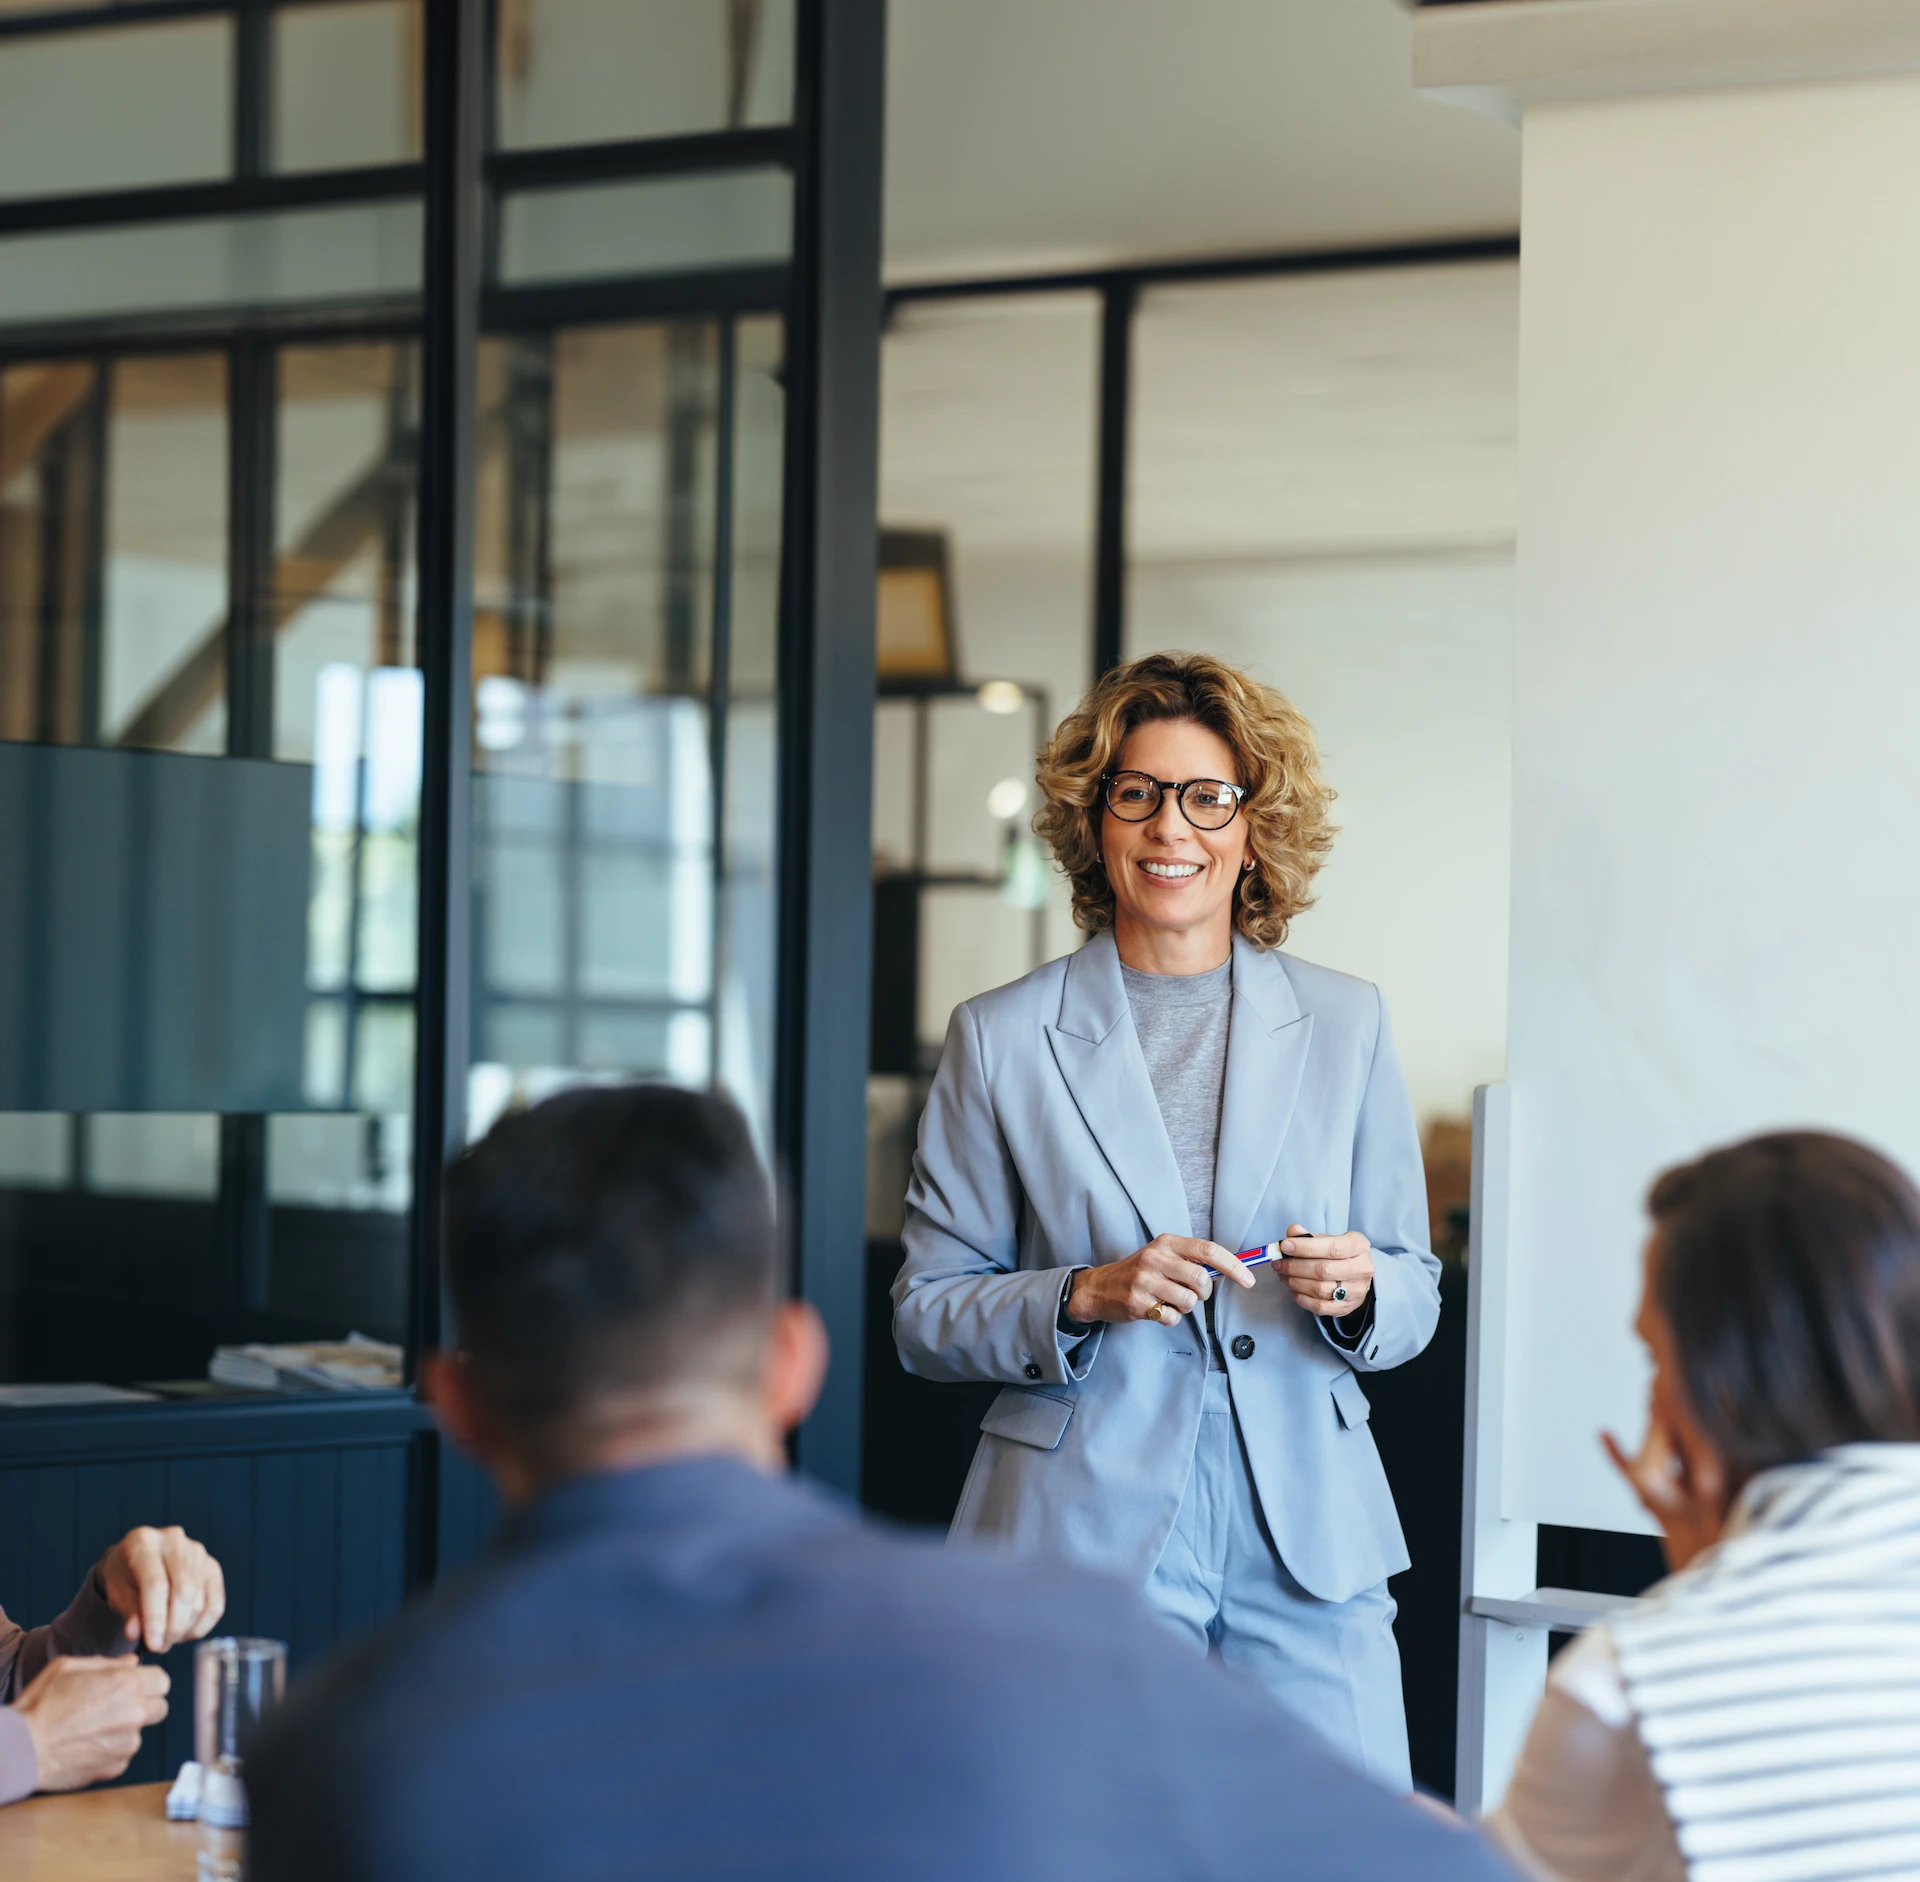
1169, 1277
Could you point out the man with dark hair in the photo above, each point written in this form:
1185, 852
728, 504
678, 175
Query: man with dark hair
680, 1662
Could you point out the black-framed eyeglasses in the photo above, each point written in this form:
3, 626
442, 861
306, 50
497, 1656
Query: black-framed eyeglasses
1206, 803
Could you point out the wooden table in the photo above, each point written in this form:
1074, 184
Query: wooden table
97, 1836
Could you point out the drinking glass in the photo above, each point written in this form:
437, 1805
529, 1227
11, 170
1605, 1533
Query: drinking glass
236, 1683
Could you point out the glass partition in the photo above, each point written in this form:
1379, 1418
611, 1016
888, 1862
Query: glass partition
351, 254
162, 669
345, 84
608, 759
52, 433
585, 71
664, 225
211, 695
113, 588
348, 705
987, 477
207, 938
132, 104
749, 769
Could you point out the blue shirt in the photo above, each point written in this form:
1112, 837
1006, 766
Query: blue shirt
694, 1670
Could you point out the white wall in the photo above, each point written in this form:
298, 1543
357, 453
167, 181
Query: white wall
1716, 770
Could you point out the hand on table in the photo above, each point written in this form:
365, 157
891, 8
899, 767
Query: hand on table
1169, 1277
164, 1586
85, 1717
1317, 1264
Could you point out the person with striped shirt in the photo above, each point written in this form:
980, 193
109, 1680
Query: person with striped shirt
1756, 1717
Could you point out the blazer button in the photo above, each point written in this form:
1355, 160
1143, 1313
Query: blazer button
1243, 1346
1033, 1371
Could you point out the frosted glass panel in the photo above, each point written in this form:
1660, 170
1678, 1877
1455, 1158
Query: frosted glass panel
584, 71
313, 256
666, 226
154, 1154
346, 85
115, 109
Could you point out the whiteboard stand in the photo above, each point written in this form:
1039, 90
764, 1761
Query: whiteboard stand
1504, 1618
1503, 1649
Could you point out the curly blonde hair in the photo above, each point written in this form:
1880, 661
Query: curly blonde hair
1288, 831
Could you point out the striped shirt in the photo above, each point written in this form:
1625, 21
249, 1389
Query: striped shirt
1775, 1683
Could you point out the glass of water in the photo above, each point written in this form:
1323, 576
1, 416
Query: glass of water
236, 1683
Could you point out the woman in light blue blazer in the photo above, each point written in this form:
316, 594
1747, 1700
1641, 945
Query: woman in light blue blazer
1104, 1134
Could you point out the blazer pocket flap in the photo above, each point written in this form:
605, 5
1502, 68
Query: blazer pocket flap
1036, 1418
1350, 1400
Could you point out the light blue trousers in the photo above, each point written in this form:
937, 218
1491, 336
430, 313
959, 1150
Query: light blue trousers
1333, 1665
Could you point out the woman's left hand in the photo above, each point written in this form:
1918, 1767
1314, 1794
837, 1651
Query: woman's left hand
1329, 1275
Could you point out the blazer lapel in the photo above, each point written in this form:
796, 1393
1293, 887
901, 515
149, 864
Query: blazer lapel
1267, 1041
1099, 1056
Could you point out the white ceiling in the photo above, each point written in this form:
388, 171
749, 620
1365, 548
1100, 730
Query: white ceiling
1025, 135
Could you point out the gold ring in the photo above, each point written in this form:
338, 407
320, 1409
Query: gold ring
1159, 1307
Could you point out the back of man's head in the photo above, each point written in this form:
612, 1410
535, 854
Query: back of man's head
608, 1249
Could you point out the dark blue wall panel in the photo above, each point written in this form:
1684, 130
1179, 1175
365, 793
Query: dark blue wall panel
311, 1536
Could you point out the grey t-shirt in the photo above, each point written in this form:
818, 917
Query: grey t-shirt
1182, 1023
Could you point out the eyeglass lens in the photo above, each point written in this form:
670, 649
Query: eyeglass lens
1207, 803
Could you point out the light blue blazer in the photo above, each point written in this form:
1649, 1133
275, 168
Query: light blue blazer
1042, 1148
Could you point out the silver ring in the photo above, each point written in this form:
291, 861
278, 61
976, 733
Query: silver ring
1340, 1292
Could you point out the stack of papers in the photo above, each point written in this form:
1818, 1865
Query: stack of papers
355, 1364
80, 1392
